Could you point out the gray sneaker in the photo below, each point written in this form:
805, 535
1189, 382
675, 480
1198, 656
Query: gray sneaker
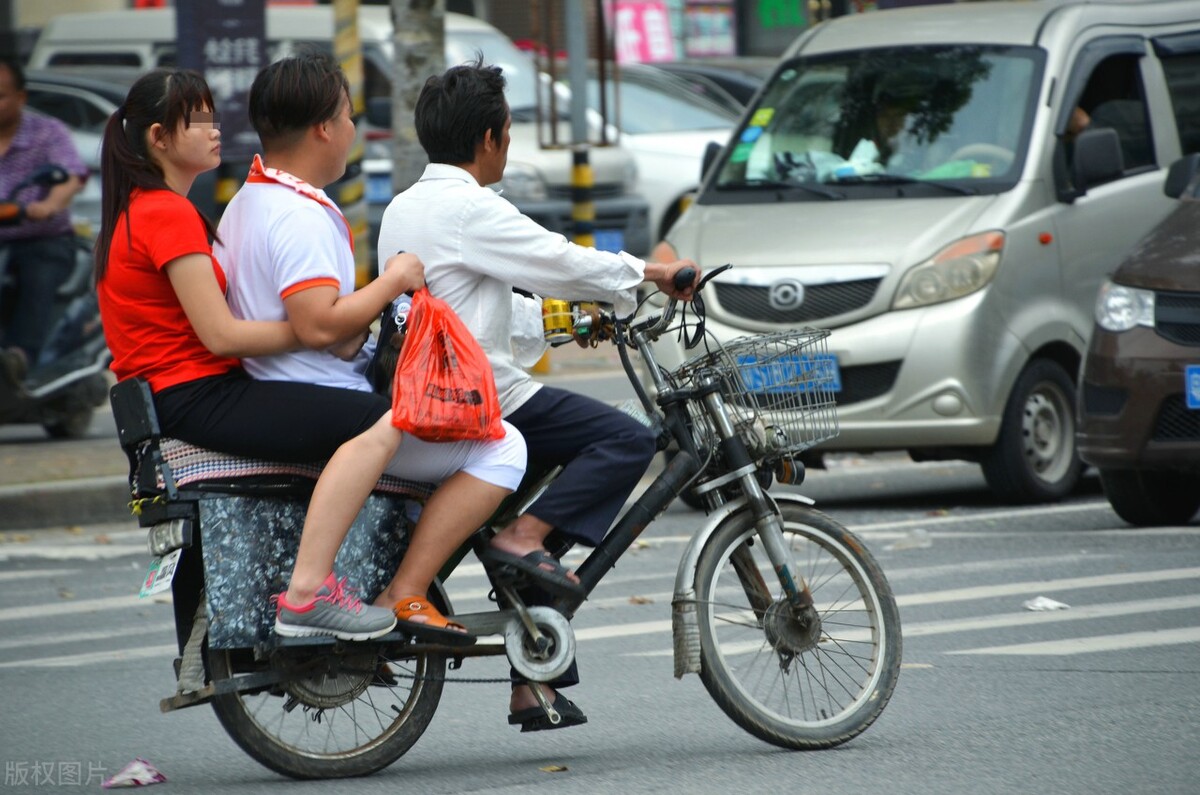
335, 611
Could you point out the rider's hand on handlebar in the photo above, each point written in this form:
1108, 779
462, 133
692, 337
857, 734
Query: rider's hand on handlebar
406, 272
663, 276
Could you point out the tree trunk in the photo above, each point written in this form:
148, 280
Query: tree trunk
419, 37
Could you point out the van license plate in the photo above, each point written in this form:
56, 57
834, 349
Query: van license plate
1191, 385
609, 240
160, 574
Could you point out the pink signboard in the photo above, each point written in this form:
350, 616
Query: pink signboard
642, 31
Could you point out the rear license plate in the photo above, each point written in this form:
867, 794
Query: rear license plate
160, 573
1191, 385
609, 240
793, 374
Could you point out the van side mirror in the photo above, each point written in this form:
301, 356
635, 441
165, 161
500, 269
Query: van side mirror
1097, 158
1180, 175
711, 153
379, 112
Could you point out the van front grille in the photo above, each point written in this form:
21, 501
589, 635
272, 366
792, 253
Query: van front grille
1177, 317
1176, 422
820, 301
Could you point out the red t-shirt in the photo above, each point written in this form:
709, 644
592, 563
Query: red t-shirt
146, 328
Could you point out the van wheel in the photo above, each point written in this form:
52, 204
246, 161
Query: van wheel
1034, 459
1150, 498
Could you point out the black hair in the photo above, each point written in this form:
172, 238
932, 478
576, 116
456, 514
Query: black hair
293, 94
457, 108
165, 97
14, 66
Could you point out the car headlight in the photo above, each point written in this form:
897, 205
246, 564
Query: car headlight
522, 182
1120, 308
959, 269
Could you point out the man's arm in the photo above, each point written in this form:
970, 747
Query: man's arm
321, 317
57, 200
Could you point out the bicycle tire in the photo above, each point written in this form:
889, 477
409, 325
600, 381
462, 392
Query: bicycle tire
280, 729
797, 709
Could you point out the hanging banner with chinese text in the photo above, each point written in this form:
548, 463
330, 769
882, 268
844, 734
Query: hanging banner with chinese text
642, 31
225, 40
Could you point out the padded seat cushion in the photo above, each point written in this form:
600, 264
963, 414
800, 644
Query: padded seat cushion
192, 465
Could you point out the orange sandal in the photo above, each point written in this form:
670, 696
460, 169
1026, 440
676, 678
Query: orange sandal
435, 628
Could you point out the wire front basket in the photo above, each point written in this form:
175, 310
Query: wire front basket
779, 389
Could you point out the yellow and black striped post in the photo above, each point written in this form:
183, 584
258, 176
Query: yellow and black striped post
351, 188
583, 209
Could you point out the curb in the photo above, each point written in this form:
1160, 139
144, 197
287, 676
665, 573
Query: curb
64, 502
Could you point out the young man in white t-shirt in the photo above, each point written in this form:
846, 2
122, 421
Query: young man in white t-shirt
288, 253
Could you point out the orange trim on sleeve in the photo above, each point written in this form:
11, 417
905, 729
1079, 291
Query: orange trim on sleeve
320, 281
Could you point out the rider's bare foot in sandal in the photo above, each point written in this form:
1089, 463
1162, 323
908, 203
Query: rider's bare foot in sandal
417, 617
526, 712
526, 536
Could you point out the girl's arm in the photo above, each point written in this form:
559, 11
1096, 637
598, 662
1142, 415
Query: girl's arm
200, 295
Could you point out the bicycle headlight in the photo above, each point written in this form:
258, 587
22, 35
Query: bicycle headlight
1120, 308
959, 269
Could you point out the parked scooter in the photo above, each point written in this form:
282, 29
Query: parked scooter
62, 388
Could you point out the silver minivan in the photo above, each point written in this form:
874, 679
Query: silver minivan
945, 188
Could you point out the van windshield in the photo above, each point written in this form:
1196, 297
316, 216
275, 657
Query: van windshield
929, 119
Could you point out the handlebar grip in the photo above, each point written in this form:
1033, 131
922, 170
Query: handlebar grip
684, 278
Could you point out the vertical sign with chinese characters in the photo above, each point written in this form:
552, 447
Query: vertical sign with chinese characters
225, 40
643, 31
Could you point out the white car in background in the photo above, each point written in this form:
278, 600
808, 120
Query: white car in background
667, 127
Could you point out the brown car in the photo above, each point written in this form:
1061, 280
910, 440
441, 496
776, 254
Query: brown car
1139, 401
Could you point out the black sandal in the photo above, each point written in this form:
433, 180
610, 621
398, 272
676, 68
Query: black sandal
533, 719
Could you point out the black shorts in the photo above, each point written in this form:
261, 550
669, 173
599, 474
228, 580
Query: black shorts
274, 420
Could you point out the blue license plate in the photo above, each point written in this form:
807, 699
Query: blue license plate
793, 373
379, 188
1191, 385
609, 240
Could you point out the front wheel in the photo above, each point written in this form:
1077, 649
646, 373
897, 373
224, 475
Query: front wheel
802, 680
1034, 458
333, 716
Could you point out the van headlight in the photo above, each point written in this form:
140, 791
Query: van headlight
959, 269
522, 182
1120, 308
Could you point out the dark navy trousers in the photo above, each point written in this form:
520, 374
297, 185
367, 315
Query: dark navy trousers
604, 453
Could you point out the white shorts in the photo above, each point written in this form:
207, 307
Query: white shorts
500, 462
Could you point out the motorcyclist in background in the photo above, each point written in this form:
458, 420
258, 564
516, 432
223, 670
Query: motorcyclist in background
41, 247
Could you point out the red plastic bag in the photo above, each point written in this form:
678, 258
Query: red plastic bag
443, 390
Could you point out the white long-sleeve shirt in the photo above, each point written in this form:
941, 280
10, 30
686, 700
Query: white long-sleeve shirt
476, 246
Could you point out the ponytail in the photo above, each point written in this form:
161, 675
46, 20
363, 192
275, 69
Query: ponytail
159, 97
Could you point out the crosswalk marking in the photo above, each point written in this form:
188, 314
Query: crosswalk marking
7, 576
85, 637
1064, 584
1065, 646
76, 606
91, 658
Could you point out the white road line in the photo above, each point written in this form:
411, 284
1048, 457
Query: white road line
1076, 613
92, 658
6, 576
84, 637
72, 551
977, 623
1066, 646
1039, 586
80, 606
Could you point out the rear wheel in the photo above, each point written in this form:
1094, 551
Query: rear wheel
803, 680
1034, 459
1149, 498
